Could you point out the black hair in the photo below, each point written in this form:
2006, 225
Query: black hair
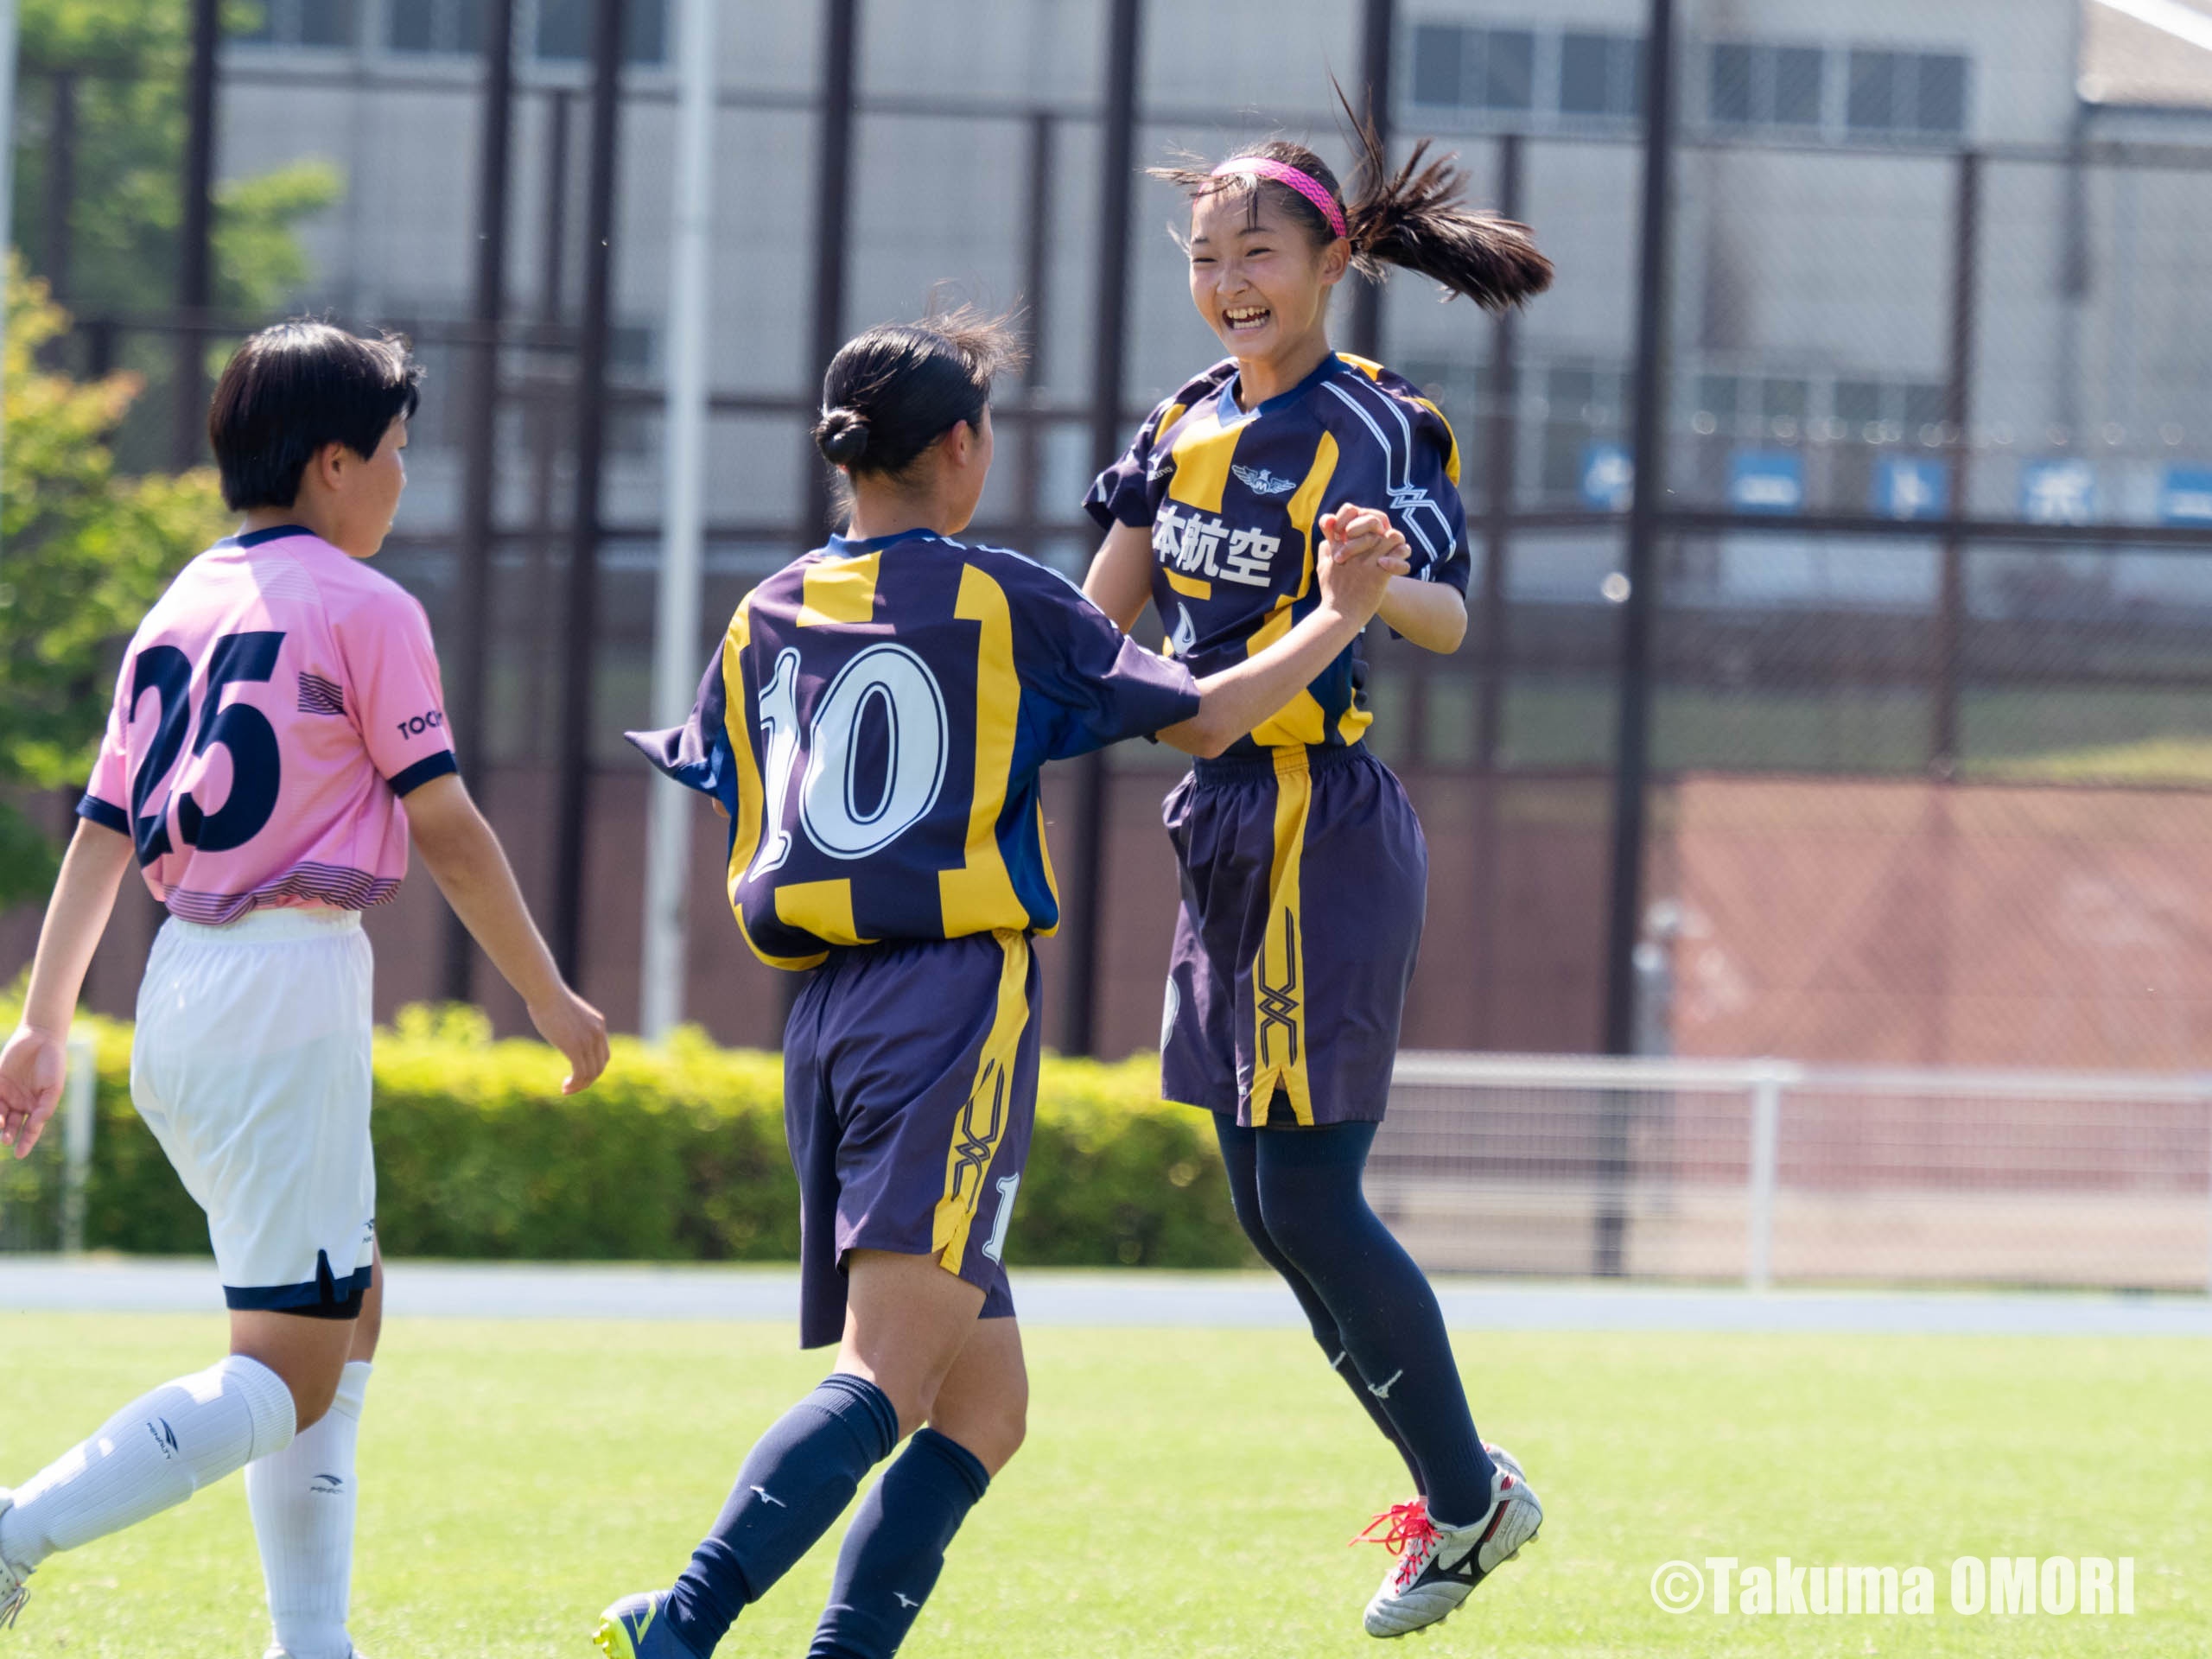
292, 388
894, 391
1414, 217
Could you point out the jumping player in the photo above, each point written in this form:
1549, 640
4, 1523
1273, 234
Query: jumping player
1304, 873
275, 709
874, 726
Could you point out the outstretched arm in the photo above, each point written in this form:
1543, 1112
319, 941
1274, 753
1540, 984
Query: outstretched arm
465, 859
1120, 582
36, 1060
1359, 559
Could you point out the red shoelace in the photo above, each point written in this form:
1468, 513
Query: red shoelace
1403, 1526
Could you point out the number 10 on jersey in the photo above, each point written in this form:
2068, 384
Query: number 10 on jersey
832, 808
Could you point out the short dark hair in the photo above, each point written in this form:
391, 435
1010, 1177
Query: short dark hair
292, 388
894, 391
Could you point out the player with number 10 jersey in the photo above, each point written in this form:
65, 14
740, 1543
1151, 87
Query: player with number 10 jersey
874, 723
874, 726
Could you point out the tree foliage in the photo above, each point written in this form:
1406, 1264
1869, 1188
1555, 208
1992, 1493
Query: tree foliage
83, 552
128, 60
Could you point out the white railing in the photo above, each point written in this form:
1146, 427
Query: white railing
1770, 1170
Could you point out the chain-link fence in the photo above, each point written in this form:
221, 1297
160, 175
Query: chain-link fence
1930, 704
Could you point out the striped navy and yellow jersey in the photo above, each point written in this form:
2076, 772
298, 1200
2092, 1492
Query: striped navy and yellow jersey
874, 722
1232, 495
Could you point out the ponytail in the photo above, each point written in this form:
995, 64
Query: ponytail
1414, 218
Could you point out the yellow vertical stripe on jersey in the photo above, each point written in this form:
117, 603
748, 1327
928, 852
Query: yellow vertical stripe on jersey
1352, 724
840, 590
1051, 882
979, 896
1279, 970
822, 908
1299, 721
1305, 505
1451, 461
1203, 452
751, 804
1189, 586
982, 1121
1366, 365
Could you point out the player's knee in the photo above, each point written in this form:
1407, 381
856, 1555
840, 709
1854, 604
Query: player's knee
992, 1429
311, 1398
1298, 1236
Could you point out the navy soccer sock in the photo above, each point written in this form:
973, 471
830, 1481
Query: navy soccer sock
896, 1548
1313, 1208
1239, 1155
796, 1481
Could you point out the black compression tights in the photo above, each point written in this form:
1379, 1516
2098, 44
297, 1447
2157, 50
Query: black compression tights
1297, 1194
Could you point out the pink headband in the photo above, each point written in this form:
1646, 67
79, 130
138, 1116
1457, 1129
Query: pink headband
1283, 173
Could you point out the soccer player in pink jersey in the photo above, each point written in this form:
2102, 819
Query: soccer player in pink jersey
276, 708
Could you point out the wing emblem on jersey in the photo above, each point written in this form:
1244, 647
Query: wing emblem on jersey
1186, 632
1261, 481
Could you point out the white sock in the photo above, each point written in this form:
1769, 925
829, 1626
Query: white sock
153, 1454
302, 1501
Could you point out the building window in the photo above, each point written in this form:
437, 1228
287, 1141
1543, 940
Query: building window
1765, 85
304, 23
1474, 69
1601, 74
1909, 92
436, 25
564, 30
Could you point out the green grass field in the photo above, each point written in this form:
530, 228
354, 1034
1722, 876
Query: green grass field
1183, 1493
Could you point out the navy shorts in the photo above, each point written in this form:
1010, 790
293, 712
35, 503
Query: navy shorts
1305, 879
909, 1090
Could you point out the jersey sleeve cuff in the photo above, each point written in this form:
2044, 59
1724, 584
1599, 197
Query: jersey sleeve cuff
405, 783
107, 816
1137, 515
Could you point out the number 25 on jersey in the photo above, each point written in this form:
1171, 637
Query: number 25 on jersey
243, 731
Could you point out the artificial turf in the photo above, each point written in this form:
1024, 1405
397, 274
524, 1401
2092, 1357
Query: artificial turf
1183, 1492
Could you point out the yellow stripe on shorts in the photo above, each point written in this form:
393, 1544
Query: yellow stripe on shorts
989, 1106
1279, 970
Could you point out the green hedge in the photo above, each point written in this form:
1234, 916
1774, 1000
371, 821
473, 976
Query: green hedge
675, 1154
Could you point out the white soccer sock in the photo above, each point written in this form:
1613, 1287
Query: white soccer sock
302, 1501
154, 1453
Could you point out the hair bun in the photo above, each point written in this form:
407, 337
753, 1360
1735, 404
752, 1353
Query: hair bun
842, 436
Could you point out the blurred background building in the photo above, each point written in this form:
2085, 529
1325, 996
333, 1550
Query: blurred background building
1926, 658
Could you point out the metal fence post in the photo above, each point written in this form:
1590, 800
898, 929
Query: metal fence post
79, 1110
195, 257
472, 625
580, 627
1086, 866
1958, 415
1766, 1135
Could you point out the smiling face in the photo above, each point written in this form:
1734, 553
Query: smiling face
1259, 279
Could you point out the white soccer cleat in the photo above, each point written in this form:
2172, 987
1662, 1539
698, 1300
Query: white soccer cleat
14, 1586
1438, 1567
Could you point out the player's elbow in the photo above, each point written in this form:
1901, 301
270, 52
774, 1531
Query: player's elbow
1204, 736
1214, 742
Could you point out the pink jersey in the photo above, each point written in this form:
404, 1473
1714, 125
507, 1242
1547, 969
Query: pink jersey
275, 705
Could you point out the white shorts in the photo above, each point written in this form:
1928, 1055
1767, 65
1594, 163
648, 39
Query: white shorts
251, 1064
